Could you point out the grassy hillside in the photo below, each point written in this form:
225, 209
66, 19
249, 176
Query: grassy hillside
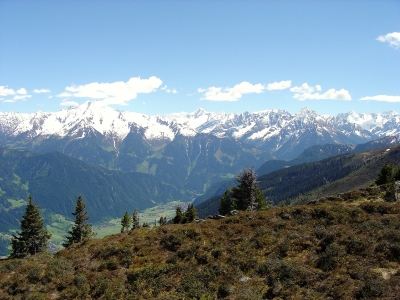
342, 249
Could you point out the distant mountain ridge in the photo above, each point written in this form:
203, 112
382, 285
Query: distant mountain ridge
190, 151
278, 132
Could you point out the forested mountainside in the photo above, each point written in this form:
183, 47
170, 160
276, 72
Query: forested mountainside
341, 249
312, 154
56, 180
308, 181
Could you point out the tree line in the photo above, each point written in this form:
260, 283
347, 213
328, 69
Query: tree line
33, 238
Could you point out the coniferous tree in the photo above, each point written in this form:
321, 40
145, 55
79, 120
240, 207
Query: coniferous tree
396, 174
245, 193
126, 222
191, 213
81, 230
33, 237
163, 221
135, 219
226, 204
386, 175
390, 194
179, 216
260, 199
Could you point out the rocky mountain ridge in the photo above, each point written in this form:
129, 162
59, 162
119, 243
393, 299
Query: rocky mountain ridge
278, 132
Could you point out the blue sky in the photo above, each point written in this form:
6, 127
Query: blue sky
159, 57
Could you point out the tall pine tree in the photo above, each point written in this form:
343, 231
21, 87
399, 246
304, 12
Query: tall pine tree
191, 213
33, 237
126, 222
81, 230
135, 219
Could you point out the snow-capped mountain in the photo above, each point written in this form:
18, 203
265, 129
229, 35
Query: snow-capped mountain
384, 124
275, 131
188, 151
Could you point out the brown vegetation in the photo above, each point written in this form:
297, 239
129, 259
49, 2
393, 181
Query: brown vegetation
345, 247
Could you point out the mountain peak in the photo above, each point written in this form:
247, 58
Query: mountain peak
307, 111
199, 112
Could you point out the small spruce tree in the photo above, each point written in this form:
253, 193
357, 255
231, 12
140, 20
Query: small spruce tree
390, 194
226, 204
386, 175
163, 221
191, 213
135, 220
260, 199
33, 237
245, 193
126, 222
81, 230
179, 216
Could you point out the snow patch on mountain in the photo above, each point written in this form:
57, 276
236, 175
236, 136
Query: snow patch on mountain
276, 127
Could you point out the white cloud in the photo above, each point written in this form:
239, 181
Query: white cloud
165, 88
21, 91
383, 98
19, 94
40, 91
279, 85
305, 92
304, 88
5, 91
21, 97
231, 94
69, 103
392, 38
113, 93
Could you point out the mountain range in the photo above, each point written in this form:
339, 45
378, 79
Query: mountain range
120, 160
190, 151
277, 132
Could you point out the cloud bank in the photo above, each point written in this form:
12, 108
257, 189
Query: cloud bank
392, 38
113, 93
231, 94
20, 94
41, 91
382, 98
306, 92
282, 85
